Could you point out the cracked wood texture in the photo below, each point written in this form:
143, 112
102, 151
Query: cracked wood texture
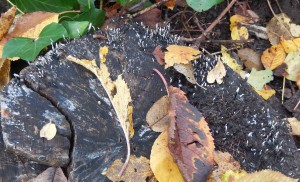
240, 121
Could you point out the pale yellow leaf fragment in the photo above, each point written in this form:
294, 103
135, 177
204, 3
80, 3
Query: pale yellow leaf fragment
288, 45
138, 169
266, 176
121, 101
103, 51
101, 72
180, 55
293, 65
229, 61
48, 131
217, 73
187, 70
295, 126
157, 117
161, 161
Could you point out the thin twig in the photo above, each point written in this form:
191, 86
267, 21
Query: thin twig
163, 79
283, 87
148, 9
213, 24
296, 105
136, 5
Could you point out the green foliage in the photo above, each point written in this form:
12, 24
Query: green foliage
44, 5
202, 5
75, 28
72, 25
28, 49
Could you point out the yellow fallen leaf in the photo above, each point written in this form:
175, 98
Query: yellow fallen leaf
121, 102
266, 92
288, 45
187, 70
157, 117
4, 72
48, 131
217, 73
180, 55
6, 20
295, 126
138, 169
161, 161
239, 33
236, 19
229, 61
293, 65
103, 51
266, 176
273, 57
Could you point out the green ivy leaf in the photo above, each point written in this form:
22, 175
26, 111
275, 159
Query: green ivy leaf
202, 5
75, 28
44, 5
93, 15
28, 49
86, 4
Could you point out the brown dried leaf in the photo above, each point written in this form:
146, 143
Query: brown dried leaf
298, 80
157, 116
150, 18
161, 161
217, 73
295, 126
279, 26
187, 70
6, 20
159, 55
190, 141
250, 58
138, 169
52, 174
266, 176
273, 57
4, 72
180, 55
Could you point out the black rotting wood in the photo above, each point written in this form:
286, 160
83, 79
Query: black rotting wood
240, 121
